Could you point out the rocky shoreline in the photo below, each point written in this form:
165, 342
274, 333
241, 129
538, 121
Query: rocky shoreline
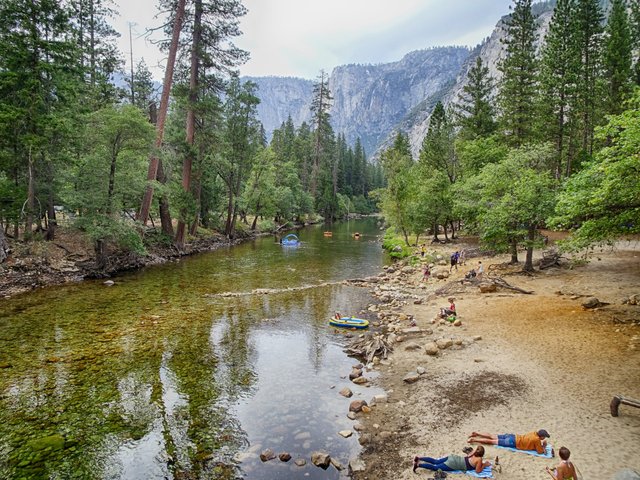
443, 379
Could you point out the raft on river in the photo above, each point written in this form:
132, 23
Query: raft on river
290, 240
349, 322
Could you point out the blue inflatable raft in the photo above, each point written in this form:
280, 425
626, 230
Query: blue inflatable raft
349, 322
290, 240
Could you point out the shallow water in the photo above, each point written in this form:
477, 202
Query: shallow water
160, 376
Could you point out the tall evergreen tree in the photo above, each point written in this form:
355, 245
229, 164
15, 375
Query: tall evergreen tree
559, 67
145, 95
475, 111
635, 24
617, 54
96, 39
519, 69
320, 106
589, 40
438, 145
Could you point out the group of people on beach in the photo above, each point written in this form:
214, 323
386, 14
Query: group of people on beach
532, 441
457, 258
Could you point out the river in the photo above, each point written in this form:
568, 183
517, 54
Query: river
183, 371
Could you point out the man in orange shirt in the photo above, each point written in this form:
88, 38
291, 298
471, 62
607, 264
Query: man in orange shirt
529, 441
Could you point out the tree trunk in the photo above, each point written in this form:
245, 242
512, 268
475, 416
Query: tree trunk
197, 191
154, 161
31, 199
453, 229
4, 245
191, 116
531, 236
514, 251
165, 214
101, 257
51, 211
227, 227
435, 233
112, 175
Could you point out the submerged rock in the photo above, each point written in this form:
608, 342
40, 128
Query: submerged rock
267, 455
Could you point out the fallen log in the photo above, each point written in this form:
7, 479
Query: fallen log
370, 346
618, 400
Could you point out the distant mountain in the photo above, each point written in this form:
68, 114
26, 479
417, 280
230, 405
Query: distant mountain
369, 100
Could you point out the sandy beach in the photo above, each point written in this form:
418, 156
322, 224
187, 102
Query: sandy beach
524, 362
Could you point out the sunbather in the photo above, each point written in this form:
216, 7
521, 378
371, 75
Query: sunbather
452, 463
528, 441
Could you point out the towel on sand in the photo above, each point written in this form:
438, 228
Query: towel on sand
485, 473
546, 454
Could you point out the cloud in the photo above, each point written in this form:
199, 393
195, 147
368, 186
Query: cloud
299, 37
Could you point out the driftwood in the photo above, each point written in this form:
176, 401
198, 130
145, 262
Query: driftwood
619, 399
370, 346
459, 287
550, 258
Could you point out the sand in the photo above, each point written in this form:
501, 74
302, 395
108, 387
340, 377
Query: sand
543, 361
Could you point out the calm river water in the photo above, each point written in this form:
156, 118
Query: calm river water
160, 377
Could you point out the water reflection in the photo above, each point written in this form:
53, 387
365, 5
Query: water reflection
157, 378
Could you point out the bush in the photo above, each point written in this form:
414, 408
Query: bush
395, 245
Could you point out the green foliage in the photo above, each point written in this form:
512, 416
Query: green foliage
395, 246
121, 232
520, 70
602, 201
474, 110
617, 57
475, 154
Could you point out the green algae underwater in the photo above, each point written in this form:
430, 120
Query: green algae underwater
184, 370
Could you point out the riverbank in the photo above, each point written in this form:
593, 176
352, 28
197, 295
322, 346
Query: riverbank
71, 258
517, 363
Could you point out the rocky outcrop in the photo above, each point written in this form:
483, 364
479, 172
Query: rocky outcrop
368, 100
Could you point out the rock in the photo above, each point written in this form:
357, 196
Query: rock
411, 330
457, 341
345, 433
303, 436
442, 275
358, 427
457, 323
109, 283
421, 370
417, 301
634, 299
477, 338
346, 392
444, 343
408, 269
356, 405
267, 455
284, 457
321, 459
381, 398
351, 416
626, 474
364, 438
591, 302
431, 348
427, 331
301, 462
355, 373
336, 464
411, 346
411, 377
356, 465
366, 409
360, 381
488, 287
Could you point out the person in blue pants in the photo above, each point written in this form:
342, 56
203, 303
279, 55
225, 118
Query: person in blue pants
453, 463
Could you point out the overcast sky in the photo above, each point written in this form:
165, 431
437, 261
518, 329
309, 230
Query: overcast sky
300, 37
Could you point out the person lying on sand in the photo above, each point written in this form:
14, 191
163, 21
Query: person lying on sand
565, 469
452, 463
528, 441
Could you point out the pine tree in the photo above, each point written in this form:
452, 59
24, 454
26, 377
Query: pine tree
519, 68
143, 87
99, 55
559, 67
475, 111
320, 105
437, 147
617, 58
589, 40
635, 24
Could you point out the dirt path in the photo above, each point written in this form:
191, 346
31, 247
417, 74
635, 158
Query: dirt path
543, 361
